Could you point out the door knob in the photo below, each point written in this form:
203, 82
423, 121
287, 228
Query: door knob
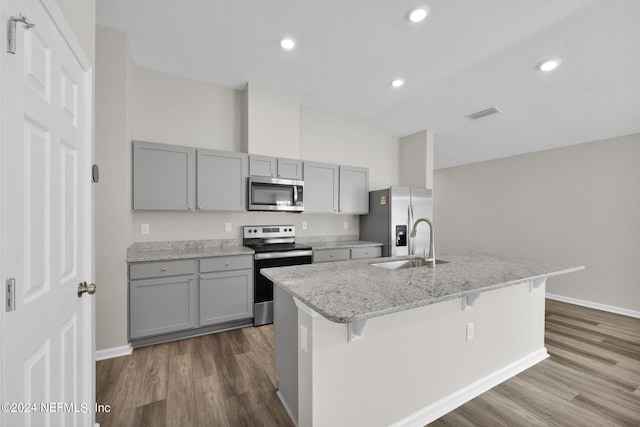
83, 287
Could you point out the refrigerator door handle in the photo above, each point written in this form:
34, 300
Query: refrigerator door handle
410, 228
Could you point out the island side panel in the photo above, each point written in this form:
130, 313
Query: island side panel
409, 360
285, 319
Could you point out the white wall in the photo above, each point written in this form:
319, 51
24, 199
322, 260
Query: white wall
578, 204
273, 122
134, 103
113, 222
339, 138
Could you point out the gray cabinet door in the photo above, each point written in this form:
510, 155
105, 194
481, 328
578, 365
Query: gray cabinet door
222, 181
327, 255
262, 166
161, 305
226, 296
354, 190
289, 169
320, 187
163, 177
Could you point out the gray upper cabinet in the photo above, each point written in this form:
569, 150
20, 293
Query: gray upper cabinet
354, 190
163, 177
289, 169
275, 167
320, 187
222, 183
262, 166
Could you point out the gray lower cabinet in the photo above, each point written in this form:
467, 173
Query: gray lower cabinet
159, 304
366, 252
343, 254
177, 298
163, 177
222, 181
226, 289
320, 187
226, 296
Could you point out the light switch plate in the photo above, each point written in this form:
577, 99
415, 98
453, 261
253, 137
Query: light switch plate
304, 225
227, 227
469, 331
144, 228
346, 225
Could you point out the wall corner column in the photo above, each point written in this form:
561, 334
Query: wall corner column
416, 159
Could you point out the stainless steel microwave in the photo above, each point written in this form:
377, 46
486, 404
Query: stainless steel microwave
274, 194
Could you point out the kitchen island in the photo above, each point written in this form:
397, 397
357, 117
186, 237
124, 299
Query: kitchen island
360, 344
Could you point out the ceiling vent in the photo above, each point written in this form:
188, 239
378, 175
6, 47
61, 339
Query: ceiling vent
484, 113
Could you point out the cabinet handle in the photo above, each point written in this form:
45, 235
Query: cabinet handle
202, 277
226, 264
164, 269
199, 208
189, 207
331, 255
190, 279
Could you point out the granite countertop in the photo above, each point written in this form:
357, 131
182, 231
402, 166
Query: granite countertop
355, 290
184, 249
341, 244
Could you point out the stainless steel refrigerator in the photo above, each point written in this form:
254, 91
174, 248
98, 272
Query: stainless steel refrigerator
392, 213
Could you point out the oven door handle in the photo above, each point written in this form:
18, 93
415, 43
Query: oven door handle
290, 254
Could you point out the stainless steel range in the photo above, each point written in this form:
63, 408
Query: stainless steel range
274, 246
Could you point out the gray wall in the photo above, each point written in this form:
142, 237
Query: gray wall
579, 204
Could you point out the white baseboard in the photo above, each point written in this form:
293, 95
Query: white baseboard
447, 404
286, 408
597, 306
109, 353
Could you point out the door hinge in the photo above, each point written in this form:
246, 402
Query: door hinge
11, 294
11, 31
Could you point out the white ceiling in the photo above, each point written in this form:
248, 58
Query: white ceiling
468, 55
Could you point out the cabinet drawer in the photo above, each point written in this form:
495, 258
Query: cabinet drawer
161, 269
224, 263
366, 252
325, 255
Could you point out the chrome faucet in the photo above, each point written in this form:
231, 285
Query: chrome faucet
431, 258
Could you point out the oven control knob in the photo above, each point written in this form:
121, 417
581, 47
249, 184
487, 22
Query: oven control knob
255, 230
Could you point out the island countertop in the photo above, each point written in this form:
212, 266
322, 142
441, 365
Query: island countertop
348, 291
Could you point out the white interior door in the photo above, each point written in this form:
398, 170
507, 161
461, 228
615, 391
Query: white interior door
47, 342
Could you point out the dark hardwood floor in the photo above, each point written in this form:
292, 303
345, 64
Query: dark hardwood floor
591, 379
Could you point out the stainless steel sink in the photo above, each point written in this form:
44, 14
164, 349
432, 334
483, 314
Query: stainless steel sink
406, 263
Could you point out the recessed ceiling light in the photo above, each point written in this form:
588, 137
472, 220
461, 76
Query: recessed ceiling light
287, 43
418, 14
549, 65
397, 82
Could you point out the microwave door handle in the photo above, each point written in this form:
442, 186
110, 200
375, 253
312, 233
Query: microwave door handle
295, 195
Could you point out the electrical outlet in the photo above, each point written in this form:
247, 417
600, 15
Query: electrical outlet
227, 227
346, 225
144, 228
304, 338
304, 225
469, 331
